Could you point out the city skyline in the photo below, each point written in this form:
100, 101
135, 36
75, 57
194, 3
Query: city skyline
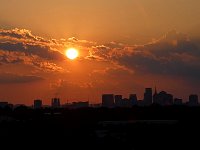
77, 50
150, 97
100, 74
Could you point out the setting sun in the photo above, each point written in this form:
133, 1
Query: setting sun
72, 53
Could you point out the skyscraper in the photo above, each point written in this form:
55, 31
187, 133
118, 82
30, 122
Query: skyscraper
55, 102
3, 104
193, 100
107, 100
148, 96
163, 98
37, 104
133, 99
155, 96
178, 101
118, 100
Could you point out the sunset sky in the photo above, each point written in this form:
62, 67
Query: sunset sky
124, 46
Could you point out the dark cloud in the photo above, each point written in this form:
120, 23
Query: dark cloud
19, 58
39, 50
172, 55
5, 58
24, 41
9, 78
20, 46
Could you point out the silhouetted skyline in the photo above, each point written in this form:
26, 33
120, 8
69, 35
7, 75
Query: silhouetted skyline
120, 47
99, 74
161, 98
113, 127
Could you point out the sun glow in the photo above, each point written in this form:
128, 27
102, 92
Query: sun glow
72, 53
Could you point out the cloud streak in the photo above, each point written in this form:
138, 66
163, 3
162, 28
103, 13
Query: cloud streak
9, 78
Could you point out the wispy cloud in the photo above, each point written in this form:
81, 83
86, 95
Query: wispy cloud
7, 78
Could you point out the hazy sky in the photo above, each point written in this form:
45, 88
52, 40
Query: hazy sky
124, 46
102, 20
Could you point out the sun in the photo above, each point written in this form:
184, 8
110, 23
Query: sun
72, 53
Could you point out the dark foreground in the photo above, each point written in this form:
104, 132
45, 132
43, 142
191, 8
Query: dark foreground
118, 128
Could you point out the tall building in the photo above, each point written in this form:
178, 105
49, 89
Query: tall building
37, 104
178, 101
3, 104
155, 96
55, 102
80, 104
133, 99
193, 100
148, 96
118, 100
107, 100
163, 98
126, 102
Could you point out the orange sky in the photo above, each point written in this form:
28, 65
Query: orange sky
124, 46
132, 21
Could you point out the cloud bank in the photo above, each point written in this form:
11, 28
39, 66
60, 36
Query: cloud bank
173, 60
174, 54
